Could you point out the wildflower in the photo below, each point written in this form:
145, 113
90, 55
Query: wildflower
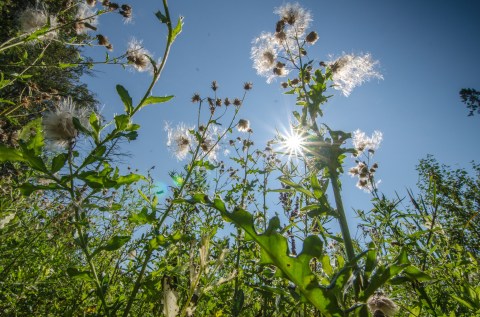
350, 71
227, 102
294, 15
137, 56
379, 302
32, 20
312, 37
58, 125
237, 102
214, 85
361, 142
86, 19
210, 142
179, 140
264, 55
243, 125
284, 85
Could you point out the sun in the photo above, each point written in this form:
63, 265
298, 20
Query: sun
293, 143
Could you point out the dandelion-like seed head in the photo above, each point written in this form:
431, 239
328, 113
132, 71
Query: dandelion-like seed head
58, 125
210, 145
86, 19
350, 71
137, 56
264, 55
179, 140
32, 20
379, 302
361, 142
294, 15
243, 125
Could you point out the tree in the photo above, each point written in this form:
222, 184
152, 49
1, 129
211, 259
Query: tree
471, 98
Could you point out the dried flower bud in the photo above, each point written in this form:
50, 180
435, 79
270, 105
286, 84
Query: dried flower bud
247, 86
214, 85
227, 102
281, 36
284, 85
112, 6
237, 102
92, 3
312, 37
280, 25
102, 40
294, 81
196, 98
218, 102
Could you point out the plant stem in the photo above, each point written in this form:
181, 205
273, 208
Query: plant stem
342, 219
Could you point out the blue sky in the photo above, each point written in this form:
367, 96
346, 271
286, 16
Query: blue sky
428, 51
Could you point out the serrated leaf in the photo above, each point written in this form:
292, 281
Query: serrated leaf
274, 250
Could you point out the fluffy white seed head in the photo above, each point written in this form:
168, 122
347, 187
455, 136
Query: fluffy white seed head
137, 56
361, 142
294, 15
264, 55
379, 302
32, 20
58, 125
179, 140
350, 71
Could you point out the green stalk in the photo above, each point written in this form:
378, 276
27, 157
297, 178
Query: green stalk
342, 219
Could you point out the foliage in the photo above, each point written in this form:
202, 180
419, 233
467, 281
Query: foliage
471, 98
84, 235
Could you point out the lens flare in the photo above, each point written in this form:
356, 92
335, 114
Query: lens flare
293, 144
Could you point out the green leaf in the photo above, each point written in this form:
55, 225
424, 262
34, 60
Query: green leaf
27, 189
126, 99
79, 275
371, 260
416, 274
296, 186
113, 244
161, 17
58, 162
66, 65
318, 191
10, 155
177, 30
274, 250
128, 179
153, 100
31, 134
122, 122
